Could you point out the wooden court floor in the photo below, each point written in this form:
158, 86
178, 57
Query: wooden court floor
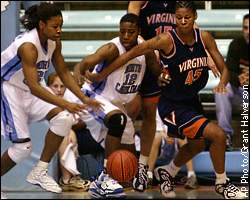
203, 192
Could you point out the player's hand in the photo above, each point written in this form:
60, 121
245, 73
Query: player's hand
94, 104
93, 77
212, 66
75, 107
220, 88
215, 71
164, 78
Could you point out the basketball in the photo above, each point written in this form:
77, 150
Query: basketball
122, 165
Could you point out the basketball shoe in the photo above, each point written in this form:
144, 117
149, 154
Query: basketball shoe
229, 191
75, 183
39, 176
166, 182
105, 187
140, 181
191, 183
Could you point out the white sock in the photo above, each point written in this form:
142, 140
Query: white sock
105, 166
143, 159
43, 165
105, 163
221, 178
191, 173
150, 174
172, 168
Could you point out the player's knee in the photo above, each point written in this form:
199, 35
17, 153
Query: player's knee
221, 137
62, 123
116, 124
20, 151
218, 135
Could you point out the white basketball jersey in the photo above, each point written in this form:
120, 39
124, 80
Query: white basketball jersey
121, 85
11, 65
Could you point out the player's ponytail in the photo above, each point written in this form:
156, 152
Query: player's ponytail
42, 12
30, 18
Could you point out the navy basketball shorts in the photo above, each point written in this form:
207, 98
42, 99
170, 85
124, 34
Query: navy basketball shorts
183, 119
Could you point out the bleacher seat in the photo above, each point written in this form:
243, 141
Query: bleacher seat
75, 50
108, 20
223, 20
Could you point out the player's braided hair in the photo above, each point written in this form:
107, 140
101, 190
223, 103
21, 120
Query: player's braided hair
186, 4
130, 17
42, 12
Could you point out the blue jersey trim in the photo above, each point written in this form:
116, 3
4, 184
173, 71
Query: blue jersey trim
98, 116
99, 87
7, 118
10, 68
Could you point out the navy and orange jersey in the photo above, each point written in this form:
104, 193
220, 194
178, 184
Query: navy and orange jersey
187, 66
156, 17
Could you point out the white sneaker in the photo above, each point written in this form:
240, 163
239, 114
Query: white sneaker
39, 176
229, 191
166, 182
140, 181
105, 187
3, 195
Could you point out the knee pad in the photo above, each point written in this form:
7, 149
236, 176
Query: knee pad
62, 123
116, 124
19, 151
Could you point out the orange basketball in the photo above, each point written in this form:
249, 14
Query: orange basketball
122, 165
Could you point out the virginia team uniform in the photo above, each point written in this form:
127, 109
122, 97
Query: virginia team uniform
15, 94
155, 17
120, 86
179, 105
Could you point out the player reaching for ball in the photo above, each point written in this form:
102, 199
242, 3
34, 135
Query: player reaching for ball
114, 92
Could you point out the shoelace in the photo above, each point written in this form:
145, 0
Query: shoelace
165, 175
142, 174
232, 187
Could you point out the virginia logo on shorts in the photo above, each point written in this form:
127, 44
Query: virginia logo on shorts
4, 5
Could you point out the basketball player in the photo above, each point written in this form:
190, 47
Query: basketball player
117, 89
182, 52
24, 98
155, 17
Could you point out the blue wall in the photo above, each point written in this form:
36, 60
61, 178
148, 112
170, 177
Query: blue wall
10, 25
